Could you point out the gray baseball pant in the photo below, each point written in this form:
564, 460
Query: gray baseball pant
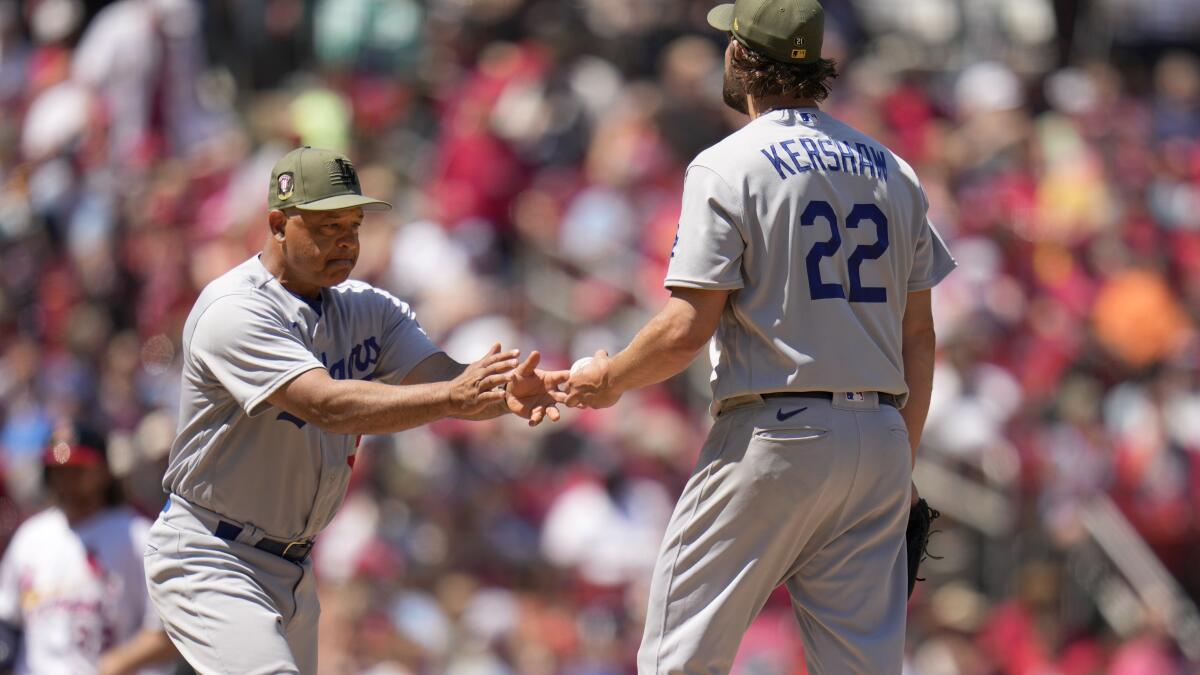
229, 607
817, 500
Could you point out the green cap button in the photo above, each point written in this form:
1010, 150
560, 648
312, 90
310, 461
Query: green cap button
312, 179
790, 31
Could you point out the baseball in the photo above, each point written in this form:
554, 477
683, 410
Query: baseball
580, 364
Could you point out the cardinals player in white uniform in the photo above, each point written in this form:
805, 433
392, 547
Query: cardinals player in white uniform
72, 588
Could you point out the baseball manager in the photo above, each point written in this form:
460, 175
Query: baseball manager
286, 362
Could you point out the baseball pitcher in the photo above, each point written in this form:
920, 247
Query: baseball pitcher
805, 247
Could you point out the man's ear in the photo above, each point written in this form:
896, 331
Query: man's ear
277, 221
737, 47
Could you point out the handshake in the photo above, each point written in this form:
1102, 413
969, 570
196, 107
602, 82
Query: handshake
533, 393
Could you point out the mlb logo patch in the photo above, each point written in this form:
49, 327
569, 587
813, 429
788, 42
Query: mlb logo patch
799, 52
808, 119
856, 396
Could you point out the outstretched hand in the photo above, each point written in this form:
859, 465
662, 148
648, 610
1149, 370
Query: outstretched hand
479, 384
532, 393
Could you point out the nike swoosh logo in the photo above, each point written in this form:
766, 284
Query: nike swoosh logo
781, 416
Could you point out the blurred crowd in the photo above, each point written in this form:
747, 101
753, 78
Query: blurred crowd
535, 150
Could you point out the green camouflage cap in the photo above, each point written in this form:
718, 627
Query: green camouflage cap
312, 179
789, 31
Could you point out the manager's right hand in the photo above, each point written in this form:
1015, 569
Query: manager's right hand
482, 383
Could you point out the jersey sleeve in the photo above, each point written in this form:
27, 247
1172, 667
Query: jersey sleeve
249, 349
931, 258
708, 248
404, 343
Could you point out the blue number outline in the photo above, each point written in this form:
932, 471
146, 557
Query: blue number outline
872, 213
818, 289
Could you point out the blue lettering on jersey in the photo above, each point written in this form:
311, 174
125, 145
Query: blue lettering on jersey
831, 154
776, 162
814, 155
864, 160
881, 164
847, 155
289, 417
825, 155
365, 355
787, 147
338, 370
357, 364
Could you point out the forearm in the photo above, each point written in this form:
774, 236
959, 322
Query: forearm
661, 350
443, 369
918, 354
493, 411
359, 407
147, 648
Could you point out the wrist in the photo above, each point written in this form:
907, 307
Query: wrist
446, 401
614, 379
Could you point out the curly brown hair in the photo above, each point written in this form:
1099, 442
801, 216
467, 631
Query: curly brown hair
764, 77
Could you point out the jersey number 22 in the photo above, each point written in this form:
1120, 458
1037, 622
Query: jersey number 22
818, 289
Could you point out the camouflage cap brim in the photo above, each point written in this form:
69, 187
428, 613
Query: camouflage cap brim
721, 17
338, 202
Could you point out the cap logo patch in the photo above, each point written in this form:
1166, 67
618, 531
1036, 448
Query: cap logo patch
287, 182
800, 42
735, 24
799, 53
342, 173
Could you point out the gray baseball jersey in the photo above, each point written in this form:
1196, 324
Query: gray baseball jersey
246, 336
822, 232
816, 225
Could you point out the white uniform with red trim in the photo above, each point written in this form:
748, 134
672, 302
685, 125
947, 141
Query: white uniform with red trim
76, 591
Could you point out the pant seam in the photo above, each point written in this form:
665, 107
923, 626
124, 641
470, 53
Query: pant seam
296, 604
295, 586
192, 601
679, 550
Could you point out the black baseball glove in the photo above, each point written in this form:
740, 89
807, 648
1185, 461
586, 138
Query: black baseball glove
920, 522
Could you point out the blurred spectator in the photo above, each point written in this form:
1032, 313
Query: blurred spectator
535, 150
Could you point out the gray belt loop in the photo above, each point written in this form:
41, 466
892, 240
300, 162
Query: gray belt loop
250, 535
210, 520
